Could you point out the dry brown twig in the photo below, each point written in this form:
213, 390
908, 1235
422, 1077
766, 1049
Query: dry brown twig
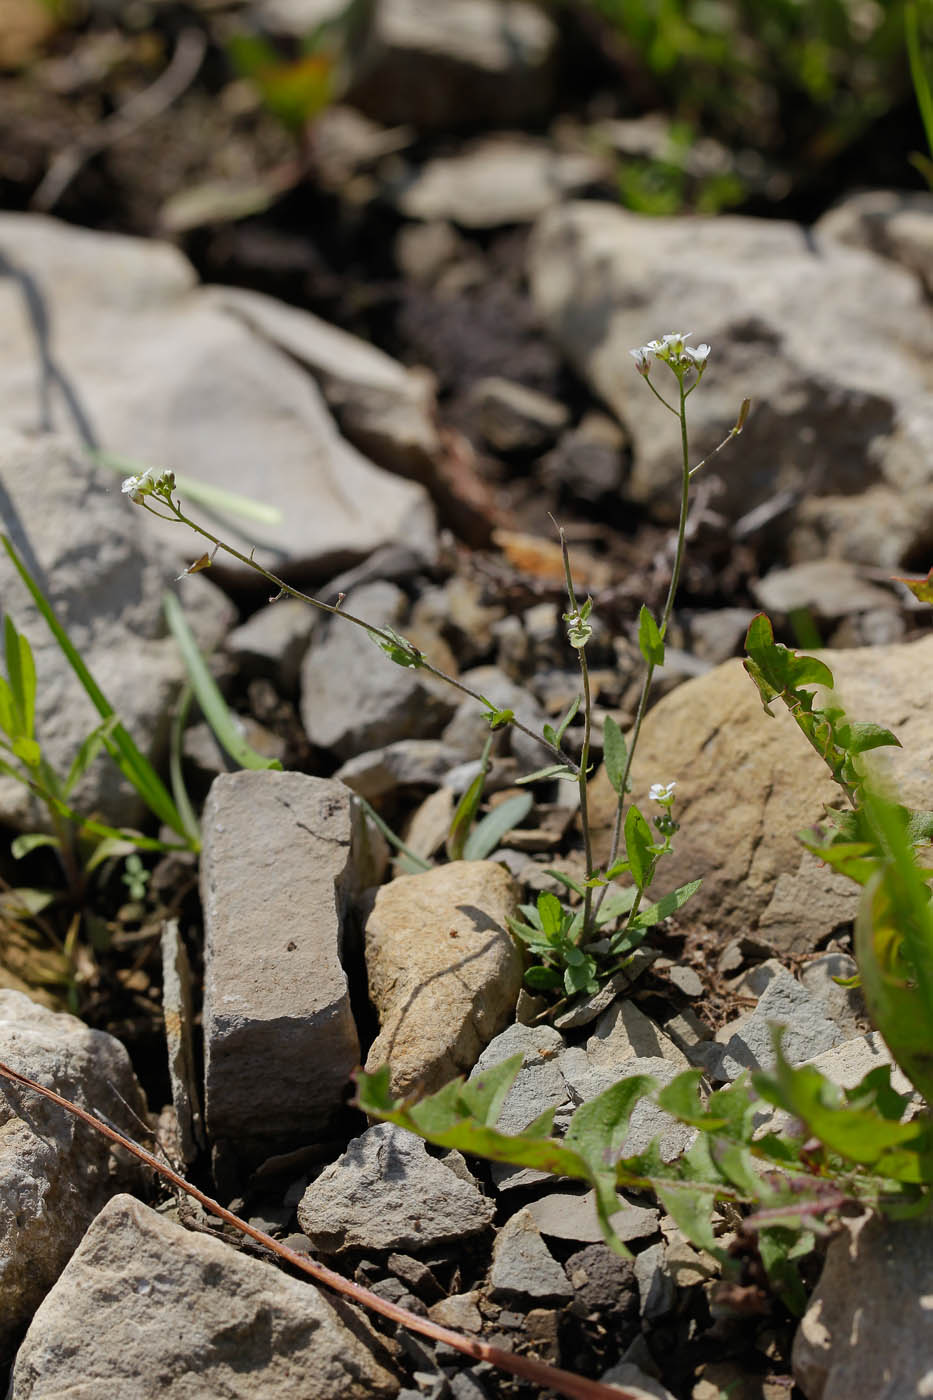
539, 1372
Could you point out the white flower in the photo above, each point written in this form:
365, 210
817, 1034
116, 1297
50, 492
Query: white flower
642, 358
136, 487
662, 792
699, 355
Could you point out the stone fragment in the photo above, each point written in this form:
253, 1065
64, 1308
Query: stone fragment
588, 462
625, 1033
386, 1192
686, 980
656, 1290
460, 1311
353, 697
57, 1172
786, 1003
898, 224
847, 1064
637, 1383
444, 973
272, 643
586, 1081
156, 371
279, 867
383, 409
514, 418
406, 763
774, 307
845, 1006
438, 67
538, 1086
866, 1332
748, 787
88, 550
148, 1309
523, 1268
567, 1215
178, 1014
831, 588
605, 1284
430, 823
494, 181
720, 633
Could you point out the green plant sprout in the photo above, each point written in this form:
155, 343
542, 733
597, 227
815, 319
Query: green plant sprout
575, 948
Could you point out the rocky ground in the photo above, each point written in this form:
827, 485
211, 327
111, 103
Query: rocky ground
416, 350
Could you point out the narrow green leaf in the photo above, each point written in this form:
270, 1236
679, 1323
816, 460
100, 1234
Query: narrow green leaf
27, 751
488, 832
553, 770
484, 1093
615, 754
567, 720
466, 809
616, 903
30, 841
567, 881
416, 861
132, 763
650, 643
88, 750
21, 671
668, 904
213, 705
638, 846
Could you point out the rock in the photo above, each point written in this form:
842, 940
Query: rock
523, 1268
383, 408
444, 974
775, 306
587, 464
637, 1383
429, 824
273, 642
156, 371
279, 1036
146, 1308
386, 1192
513, 418
539, 1084
353, 698
784, 1002
459, 1311
178, 1015
830, 588
847, 1064
686, 980
406, 763
624, 1033
866, 1332
57, 1172
748, 786
495, 181
86, 549
439, 67
586, 1081
567, 1215
468, 730
604, 1283
898, 224
845, 1006
656, 1291
719, 634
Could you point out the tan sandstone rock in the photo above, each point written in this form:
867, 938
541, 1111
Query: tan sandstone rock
746, 784
444, 973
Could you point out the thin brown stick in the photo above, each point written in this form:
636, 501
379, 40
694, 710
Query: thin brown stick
539, 1372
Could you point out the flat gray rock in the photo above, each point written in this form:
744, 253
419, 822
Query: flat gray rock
568, 1215
149, 366
280, 864
897, 224
88, 551
624, 1033
406, 763
57, 1172
353, 698
497, 180
775, 303
273, 642
523, 1268
866, 1332
386, 1192
784, 1002
150, 1310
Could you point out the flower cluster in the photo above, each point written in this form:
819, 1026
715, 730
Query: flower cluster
673, 350
148, 483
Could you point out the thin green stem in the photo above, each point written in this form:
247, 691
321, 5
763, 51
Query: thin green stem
583, 774
662, 628
178, 517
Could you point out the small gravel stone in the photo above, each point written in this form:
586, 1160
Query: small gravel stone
523, 1269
